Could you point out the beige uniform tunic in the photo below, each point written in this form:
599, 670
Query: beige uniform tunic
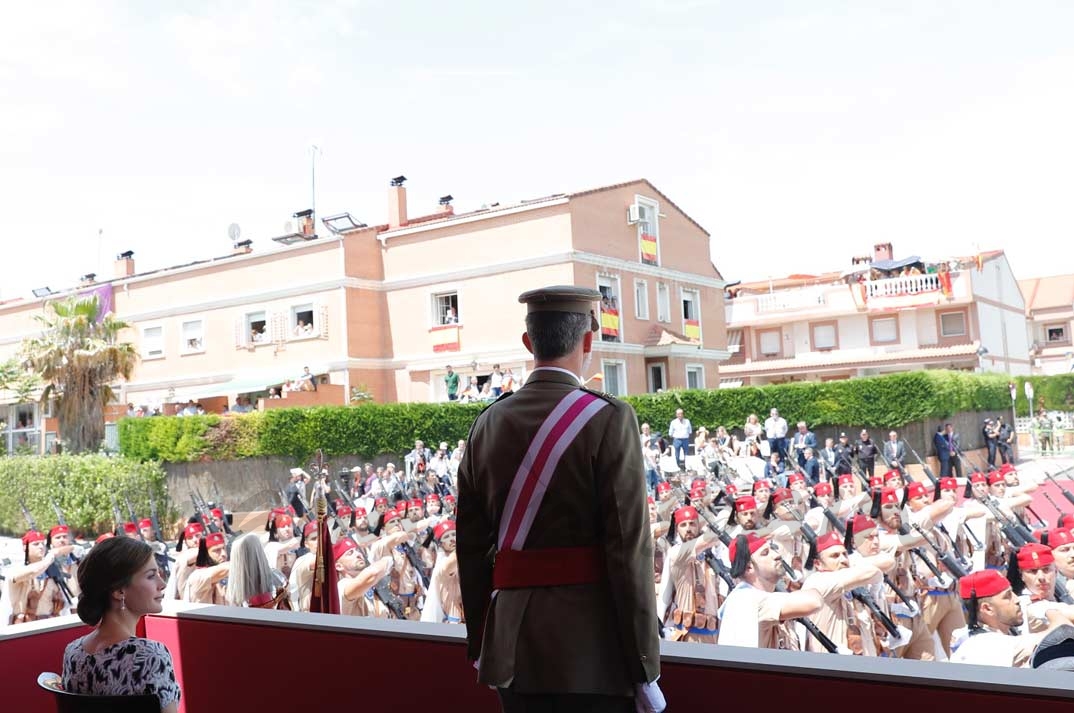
200, 588
689, 595
840, 617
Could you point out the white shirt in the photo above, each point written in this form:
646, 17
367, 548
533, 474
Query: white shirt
680, 428
496, 379
775, 427
991, 648
744, 611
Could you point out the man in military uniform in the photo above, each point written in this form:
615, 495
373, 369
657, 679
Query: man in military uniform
573, 622
1045, 425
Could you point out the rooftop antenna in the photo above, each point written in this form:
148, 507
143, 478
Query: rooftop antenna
314, 151
100, 245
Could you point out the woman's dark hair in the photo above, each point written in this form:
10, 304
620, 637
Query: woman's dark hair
108, 566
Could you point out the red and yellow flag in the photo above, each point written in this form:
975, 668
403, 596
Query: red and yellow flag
648, 248
609, 322
692, 329
445, 338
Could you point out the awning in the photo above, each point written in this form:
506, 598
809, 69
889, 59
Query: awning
730, 383
242, 383
889, 265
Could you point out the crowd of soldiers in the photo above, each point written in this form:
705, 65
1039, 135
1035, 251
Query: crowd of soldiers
849, 561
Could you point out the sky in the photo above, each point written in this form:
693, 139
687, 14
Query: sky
797, 133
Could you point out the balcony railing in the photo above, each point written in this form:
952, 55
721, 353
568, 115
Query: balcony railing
904, 285
790, 300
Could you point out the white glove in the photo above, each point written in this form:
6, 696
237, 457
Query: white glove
648, 698
944, 582
903, 639
900, 609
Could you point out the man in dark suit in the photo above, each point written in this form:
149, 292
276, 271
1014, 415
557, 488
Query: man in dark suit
895, 451
943, 451
811, 467
956, 449
554, 547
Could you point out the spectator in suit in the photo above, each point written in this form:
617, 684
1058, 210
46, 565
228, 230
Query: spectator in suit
811, 466
895, 451
956, 448
802, 439
943, 451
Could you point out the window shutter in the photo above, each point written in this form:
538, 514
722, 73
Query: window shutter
241, 333
322, 321
278, 330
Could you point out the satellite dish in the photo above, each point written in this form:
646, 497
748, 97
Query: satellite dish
233, 232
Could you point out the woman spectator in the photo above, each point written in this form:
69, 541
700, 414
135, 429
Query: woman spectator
753, 428
775, 471
701, 439
723, 441
120, 583
753, 449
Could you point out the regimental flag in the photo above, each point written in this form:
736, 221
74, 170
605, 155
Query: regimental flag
325, 596
648, 249
445, 338
609, 322
692, 329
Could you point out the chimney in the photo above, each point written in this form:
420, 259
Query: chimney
125, 264
88, 279
243, 248
882, 251
445, 204
397, 202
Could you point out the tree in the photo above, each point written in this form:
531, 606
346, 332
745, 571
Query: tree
78, 356
22, 383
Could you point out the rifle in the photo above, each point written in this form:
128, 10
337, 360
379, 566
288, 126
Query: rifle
720, 569
1048, 497
223, 510
924, 466
819, 635
1062, 594
53, 571
1014, 534
60, 519
133, 517
947, 559
383, 591
863, 596
202, 510
162, 558
1066, 493
117, 516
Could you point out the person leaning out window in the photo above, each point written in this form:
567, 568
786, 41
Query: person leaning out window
120, 583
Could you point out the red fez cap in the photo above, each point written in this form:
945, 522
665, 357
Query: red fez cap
996, 477
663, 487
746, 502
279, 511
432, 498
863, 523
846, 479
650, 500
1060, 536
32, 536
443, 528
217, 513
761, 484
415, 503
697, 493
697, 483
753, 540
449, 498
145, 523
130, 528
889, 496
193, 530
985, 583
1007, 468
214, 539
284, 520
795, 478
342, 547
59, 530
1035, 555
389, 515
310, 527
360, 512
731, 489
916, 489
1066, 520
344, 511
824, 488
782, 494
686, 512
877, 481
380, 501
948, 483
978, 477
829, 540
104, 537
891, 475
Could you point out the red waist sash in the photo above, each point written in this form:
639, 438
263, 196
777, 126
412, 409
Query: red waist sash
551, 567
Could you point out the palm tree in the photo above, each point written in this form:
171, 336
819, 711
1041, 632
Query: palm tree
78, 356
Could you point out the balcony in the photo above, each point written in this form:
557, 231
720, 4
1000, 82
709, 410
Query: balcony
904, 285
791, 300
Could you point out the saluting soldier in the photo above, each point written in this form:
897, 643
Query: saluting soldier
30, 593
540, 466
689, 592
59, 537
205, 585
443, 604
357, 578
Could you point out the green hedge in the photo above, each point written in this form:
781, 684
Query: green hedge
82, 486
1056, 391
372, 429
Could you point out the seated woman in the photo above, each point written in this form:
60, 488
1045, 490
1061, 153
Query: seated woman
120, 583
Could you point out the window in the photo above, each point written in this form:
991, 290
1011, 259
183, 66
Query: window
953, 324
656, 378
648, 230
192, 337
824, 335
641, 299
153, 342
695, 376
1055, 333
257, 328
769, 342
614, 377
663, 303
445, 308
611, 329
734, 340
19, 428
884, 330
691, 314
302, 321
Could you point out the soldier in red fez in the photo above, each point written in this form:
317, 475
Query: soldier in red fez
205, 584
393, 541
689, 596
754, 613
186, 555
443, 603
282, 547
28, 593
357, 578
58, 538
994, 616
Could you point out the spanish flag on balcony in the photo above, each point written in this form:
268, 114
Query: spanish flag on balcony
692, 329
609, 322
445, 338
648, 248
945, 284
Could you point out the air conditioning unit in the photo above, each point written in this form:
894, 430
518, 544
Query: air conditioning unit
633, 214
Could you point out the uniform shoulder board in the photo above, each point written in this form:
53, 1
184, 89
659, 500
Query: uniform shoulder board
607, 397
